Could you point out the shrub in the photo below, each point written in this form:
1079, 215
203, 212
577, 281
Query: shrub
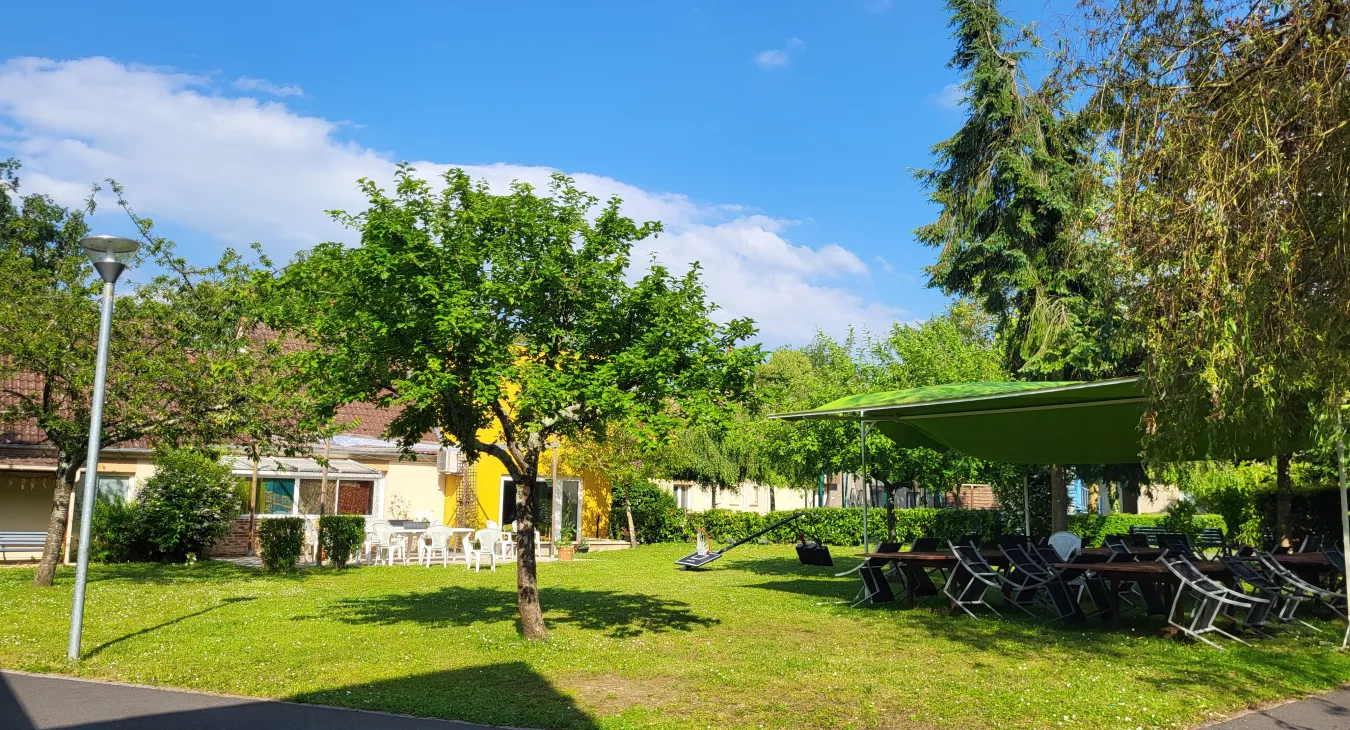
187, 505
656, 518
282, 539
842, 526
116, 534
341, 536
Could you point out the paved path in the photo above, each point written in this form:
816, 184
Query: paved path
1330, 711
39, 702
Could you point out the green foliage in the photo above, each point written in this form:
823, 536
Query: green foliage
1094, 528
655, 515
341, 537
116, 533
1180, 518
187, 505
282, 539
1020, 190
1230, 123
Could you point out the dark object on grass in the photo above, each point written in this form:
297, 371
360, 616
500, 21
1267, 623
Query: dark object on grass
698, 560
811, 552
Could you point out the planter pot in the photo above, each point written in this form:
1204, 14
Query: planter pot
566, 552
583, 548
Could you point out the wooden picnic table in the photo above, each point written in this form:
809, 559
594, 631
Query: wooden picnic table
1116, 575
1100, 554
913, 563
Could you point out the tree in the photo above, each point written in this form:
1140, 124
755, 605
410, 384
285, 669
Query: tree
1231, 122
187, 363
1020, 229
626, 454
507, 321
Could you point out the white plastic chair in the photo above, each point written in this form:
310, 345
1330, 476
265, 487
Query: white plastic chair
492, 525
487, 540
507, 547
440, 542
312, 539
368, 545
388, 542
1066, 544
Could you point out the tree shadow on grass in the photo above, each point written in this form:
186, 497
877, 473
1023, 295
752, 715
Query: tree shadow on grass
510, 693
837, 590
619, 615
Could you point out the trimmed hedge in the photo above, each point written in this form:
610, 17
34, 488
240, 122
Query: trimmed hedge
341, 536
282, 539
842, 526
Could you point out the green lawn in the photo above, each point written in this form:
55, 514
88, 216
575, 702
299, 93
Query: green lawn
754, 641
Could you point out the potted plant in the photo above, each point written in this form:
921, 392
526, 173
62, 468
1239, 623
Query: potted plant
566, 550
583, 545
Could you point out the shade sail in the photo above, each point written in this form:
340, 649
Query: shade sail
1065, 422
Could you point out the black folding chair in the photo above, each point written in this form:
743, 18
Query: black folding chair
1284, 599
1210, 600
971, 581
1177, 544
1027, 576
875, 587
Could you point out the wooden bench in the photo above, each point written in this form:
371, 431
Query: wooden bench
1211, 538
25, 541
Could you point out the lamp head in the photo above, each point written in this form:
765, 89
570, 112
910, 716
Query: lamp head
110, 254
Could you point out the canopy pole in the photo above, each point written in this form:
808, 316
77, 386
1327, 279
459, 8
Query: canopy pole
1026, 504
862, 438
1345, 510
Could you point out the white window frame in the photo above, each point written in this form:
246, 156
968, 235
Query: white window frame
682, 492
376, 495
581, 492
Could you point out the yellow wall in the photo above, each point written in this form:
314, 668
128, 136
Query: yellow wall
488, 475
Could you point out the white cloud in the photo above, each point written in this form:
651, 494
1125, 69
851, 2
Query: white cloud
779, 57
237, 169
245, 83
951, 96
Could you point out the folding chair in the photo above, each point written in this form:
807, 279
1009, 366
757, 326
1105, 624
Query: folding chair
917, 578
971, 580
1284, 599
1177, 544
875, 587
1310, 544
1026, 576
1211, 600
1290, 579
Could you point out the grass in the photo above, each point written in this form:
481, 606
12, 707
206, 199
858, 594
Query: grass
754, 641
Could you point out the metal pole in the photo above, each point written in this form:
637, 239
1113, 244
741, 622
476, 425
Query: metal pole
1026, 504
1345, 509
91, 471
555, 519
862, 435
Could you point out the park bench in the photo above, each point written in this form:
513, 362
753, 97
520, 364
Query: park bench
25, 541
1211, 538
1152, 533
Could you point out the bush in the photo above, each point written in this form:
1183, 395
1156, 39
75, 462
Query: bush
656, 518
282, 539
116, 534
842, 526
187, 505
341, 536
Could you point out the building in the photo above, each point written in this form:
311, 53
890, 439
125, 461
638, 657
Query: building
367, 475
834, 490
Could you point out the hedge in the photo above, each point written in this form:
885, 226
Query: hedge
842, 526
341, 536
282, 539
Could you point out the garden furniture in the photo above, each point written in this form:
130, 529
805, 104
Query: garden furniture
971, 581
1211, 600
1212, 538
1310, 544
1147, 533
1285, 599
438, 542
386, 540
25, 541
875, 587
1066, 544
483, 542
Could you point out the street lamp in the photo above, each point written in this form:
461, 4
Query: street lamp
110, 256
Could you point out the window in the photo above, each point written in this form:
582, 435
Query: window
278, 496
754, 497
355, 498
682, 496
114, 486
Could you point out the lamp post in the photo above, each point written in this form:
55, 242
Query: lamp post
110, 256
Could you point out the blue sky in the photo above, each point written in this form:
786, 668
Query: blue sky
777, 137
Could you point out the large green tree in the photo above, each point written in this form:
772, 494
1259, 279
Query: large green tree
1021, 198
507, 321
187, 365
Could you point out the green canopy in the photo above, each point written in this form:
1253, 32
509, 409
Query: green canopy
1067, 422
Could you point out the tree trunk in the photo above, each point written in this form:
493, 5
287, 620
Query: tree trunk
628, 512
56, 523
252, 507
713, 490
773, 505
1284, 494
1059, 499
890, 511
527, 581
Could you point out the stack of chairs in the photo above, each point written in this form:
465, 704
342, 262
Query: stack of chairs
1211, 600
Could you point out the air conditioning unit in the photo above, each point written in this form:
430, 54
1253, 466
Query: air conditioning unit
447, 460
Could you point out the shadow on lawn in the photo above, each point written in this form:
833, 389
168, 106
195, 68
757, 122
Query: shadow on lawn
170, 622
620, 615
510, 693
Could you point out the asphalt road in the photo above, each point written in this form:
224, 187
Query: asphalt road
1330, 711
39, 702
